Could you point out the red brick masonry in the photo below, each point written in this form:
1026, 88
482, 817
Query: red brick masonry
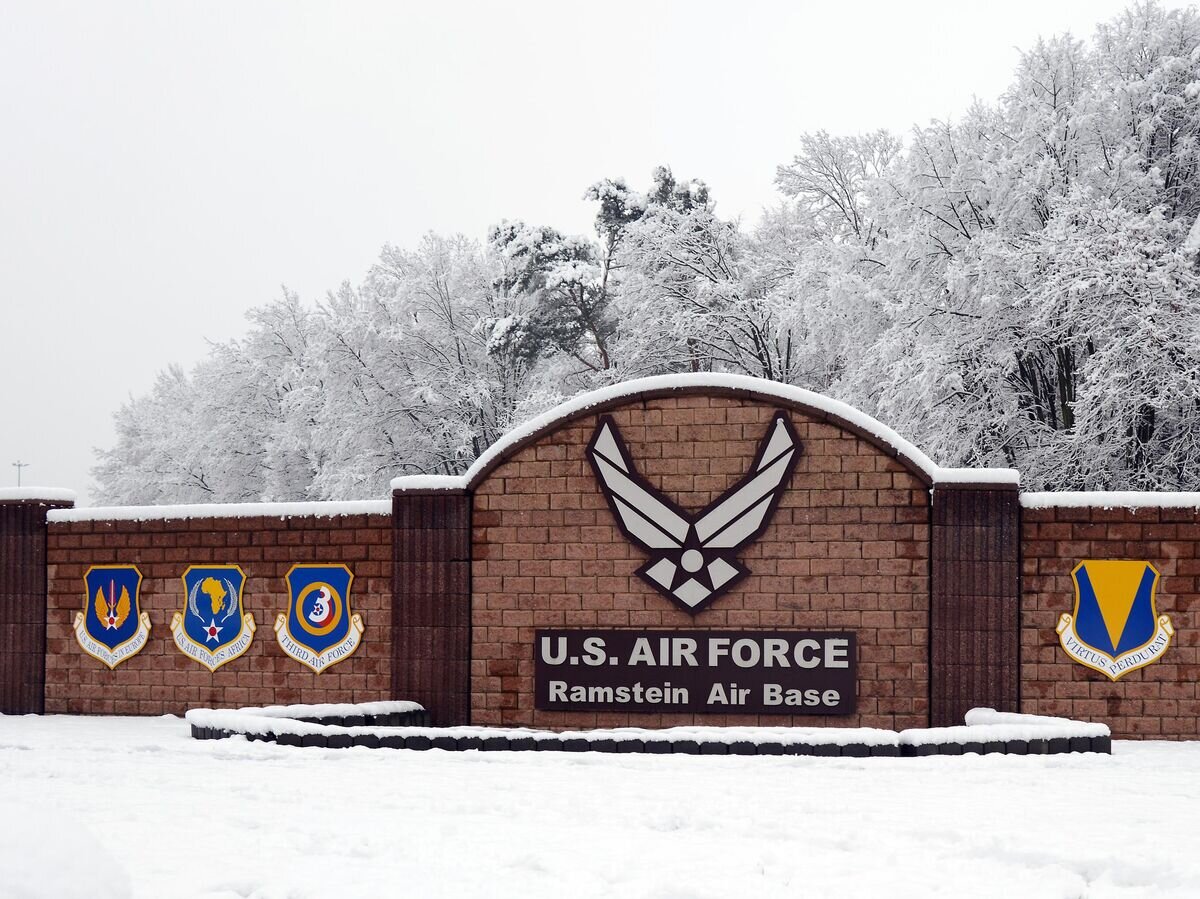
953, 596
1160, 701
160, 679
848, 548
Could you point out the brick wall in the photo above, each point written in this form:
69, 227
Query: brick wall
848, 548
532, 544
431, 603
160, 679
1159, 701
975, 628
23, 604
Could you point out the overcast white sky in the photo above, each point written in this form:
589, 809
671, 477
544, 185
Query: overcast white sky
166, 166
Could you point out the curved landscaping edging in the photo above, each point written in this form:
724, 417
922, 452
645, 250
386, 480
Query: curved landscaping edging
405, 725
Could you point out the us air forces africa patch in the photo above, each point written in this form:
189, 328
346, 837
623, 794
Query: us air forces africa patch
213, 629
1115, 628
112, 628
318, 629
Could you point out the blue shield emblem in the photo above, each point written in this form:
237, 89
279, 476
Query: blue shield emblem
213, 629
319, 629
112, 627
1114, 628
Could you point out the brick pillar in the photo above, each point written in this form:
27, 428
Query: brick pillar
23, 600
431, 602
975, 618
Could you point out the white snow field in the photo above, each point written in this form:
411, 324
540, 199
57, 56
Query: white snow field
105, 807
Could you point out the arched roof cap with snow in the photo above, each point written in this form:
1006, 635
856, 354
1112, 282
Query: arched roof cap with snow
740, 386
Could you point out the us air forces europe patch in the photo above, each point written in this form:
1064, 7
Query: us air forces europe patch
112, 628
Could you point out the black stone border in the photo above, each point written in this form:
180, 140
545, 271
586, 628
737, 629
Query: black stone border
507, 741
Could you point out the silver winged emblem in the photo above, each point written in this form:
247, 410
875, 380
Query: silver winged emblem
692, 555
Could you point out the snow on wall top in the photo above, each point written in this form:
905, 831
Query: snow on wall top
976, 476
432, 481
1109, 499
223, 510
762, 387
54, 494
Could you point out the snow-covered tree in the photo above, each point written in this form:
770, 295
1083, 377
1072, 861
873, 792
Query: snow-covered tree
1019, 287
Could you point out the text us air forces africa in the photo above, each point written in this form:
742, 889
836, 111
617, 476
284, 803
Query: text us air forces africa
212, 628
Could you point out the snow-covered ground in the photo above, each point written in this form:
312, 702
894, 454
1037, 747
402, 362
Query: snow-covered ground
103, 807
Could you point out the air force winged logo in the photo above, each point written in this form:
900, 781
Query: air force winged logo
692, 557
1115, 628
212, 629
318, 629
112, 628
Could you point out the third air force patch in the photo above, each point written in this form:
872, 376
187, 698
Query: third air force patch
212, 629
318, 629
1115, 628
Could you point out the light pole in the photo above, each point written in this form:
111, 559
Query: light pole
18, 465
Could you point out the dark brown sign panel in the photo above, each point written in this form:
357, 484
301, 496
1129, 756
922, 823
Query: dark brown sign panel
756, 672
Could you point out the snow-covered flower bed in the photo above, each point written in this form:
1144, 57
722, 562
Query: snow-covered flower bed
332, 710
404, 725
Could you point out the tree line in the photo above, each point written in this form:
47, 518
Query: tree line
1018, 288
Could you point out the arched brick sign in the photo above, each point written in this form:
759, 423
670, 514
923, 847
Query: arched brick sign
546, 544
